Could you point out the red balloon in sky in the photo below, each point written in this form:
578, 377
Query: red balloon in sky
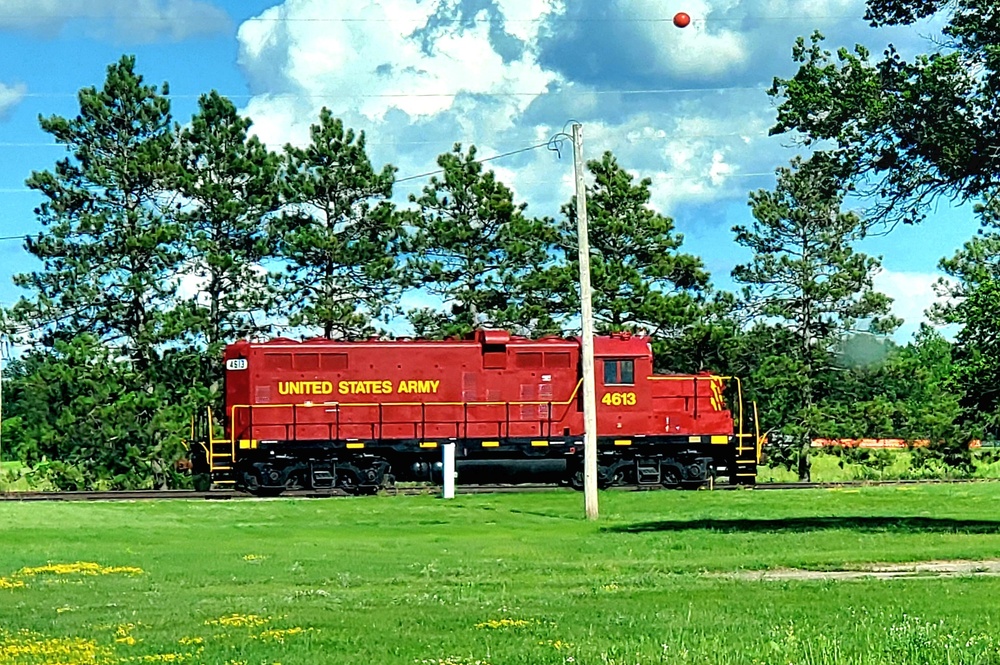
682, 20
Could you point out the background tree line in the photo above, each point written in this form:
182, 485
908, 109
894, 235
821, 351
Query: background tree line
164, 241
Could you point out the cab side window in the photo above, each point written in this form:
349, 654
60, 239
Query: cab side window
619, 372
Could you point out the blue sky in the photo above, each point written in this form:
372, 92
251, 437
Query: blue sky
684, 107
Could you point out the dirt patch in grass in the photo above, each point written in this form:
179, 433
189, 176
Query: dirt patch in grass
912, 570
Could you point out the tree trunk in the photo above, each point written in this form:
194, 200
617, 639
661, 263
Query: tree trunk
805, 464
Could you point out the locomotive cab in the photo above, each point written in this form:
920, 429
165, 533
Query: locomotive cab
672, 429
622, 363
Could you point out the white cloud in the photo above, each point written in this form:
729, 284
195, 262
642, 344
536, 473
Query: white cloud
702, 50
132, 21
913, 293
10, 96
812, 10
417, 76
367, 61
524, 16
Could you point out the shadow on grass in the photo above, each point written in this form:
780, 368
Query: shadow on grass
789, 524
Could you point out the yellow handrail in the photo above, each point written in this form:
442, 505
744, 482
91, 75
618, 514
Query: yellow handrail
313, 405
212, 441
716, 377
756, 427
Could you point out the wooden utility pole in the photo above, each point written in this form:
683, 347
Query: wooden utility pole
587, 343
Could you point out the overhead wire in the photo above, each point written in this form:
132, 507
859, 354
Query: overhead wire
454, 93
437, 23
462, 140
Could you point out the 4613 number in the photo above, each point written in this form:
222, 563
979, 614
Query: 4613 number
618, 399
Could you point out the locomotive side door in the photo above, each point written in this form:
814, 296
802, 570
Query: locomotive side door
623, 403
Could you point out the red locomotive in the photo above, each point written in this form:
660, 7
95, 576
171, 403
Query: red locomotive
358, 415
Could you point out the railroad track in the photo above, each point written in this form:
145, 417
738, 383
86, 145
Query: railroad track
224, 495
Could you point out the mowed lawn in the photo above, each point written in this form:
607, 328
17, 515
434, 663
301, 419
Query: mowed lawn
500, 579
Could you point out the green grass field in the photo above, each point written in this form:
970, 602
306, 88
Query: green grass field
500, 579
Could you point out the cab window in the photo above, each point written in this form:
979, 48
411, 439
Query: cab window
619, 372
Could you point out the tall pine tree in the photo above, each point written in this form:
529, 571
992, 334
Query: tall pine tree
100, 309
109, 249
229, 183
805, 276
339, 239
972, 301
474, 248
641, 280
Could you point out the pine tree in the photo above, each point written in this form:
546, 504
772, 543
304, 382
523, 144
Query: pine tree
806, 277
100, 310
109, 250
972, 298
641, 280
229, 184
340, 240
475, 249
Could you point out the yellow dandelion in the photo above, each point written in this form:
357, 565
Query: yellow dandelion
88, 568
278, 634
29, 647
498, 624
239, 621
123, 634
164, 658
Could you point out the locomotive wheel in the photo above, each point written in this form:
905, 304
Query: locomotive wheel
604, 481
250, 482
347, 479
671, 475
610, 476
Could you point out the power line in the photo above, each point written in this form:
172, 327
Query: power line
398, 180
748, 174
549, 18
546, 144
480, 161
456, 93
463, 140
542, 19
